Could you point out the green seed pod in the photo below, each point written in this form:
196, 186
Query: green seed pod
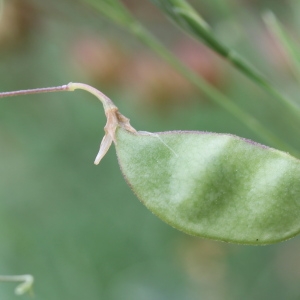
216, 186
212, 185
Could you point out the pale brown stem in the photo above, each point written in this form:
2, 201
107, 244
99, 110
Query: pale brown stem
35, 91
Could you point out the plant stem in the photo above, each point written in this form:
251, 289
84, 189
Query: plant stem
107, 103
35, 91
70, 87
114, 117
26, 282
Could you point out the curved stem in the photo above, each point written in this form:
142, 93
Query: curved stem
107, 103
114, 117
26, 282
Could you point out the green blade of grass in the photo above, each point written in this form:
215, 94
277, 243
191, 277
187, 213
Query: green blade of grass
122, 16
289, 46
114, 10
191, 22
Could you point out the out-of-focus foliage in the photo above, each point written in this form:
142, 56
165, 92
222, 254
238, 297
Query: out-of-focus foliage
78, 228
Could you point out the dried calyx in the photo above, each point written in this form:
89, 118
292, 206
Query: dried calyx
114, 118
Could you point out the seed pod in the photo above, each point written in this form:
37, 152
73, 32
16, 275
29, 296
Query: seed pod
216, 186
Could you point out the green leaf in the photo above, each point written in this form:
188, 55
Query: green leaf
216, 186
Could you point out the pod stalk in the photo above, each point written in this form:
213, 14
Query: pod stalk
114, 118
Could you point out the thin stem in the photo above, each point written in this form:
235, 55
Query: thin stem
114, 119
107, 103
26, 282
35, 91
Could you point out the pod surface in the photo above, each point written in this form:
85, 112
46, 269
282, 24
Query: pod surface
212, 185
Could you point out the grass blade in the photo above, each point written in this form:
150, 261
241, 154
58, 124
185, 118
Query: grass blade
190, 21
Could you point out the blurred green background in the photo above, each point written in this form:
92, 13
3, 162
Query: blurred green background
78, 228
